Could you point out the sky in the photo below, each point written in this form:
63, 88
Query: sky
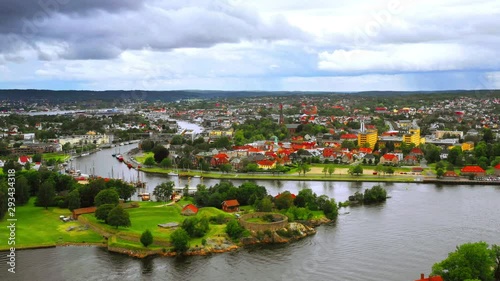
263, 45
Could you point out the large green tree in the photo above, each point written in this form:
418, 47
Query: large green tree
146, 238
46, 194
118, 217
164, 191
22, 190
74, 200
160, 153
469, 261
180, 240
106, 196
102, 212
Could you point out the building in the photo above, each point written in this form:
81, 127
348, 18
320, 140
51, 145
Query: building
231, 205
430, 278
90, 137
22, 160
77, 212
472, 170
389, 158
367, 137
189, 210
266, 164
413, 136
450, 175
497, 170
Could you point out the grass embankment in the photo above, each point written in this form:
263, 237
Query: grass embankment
142, 157
58, 157
37, 227
148, 216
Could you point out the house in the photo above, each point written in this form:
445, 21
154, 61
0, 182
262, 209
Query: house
266, 164
24, 159
472, 170
496, 170
450, 175
77, 212
189, 210
430, 278
417, 170
231, 205
389, 158
410, 160
417, 152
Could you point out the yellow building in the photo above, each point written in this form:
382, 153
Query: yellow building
467, 146
369, 137
413, 136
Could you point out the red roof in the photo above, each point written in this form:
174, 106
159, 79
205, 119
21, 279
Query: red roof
221, 156
265, 162
191, 207
279, 194
472, 169
430, 278
497, 167
416, 150
390, 157
450, 174
24, 158
231, 203
366, 150
349, 136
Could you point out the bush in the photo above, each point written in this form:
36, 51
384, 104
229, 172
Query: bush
196, 227
219, 219
234, 229
180, 240
203, 241
147, 238
102, 212
374, 195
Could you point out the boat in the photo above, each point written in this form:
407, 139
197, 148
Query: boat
85, 154
114, 154
196, 176
119, 157
172, 174
129, 165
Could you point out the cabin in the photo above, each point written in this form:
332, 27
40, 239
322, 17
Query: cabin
472, 170
496, 171
231, 205
389, 159
430, 278
77, 212
450, 175
22, 160
189, 210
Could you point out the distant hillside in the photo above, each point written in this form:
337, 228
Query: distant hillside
166, 96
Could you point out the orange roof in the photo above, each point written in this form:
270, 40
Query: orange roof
349, 136
279, 194
365, 150
389, 156
430, 278
497, 167
231, 203
191, 207
266, 162
221, 156
472, 169
450, 174
416, 150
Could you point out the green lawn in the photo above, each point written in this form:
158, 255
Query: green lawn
56, 156
150, 214
36, 226
142, 158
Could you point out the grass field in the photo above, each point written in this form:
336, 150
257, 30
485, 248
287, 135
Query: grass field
142, 157
36, 226
56, 156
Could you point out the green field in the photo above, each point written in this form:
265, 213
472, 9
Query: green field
36, 226
142, 158
58, 157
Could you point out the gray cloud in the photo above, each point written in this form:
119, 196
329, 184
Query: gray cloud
103, 29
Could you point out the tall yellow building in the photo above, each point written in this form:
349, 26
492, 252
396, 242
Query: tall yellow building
365, 136
413, 136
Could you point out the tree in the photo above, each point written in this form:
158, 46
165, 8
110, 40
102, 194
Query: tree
331, 170
356, 170
180, 240
106, 196
196, 227
379, 169
325, 170
374, 195
330, 209
487, 135
147, 145
22, 190
160, 153
146, 238
102, 212
74, 200
234, 229
454, 154
150, 161
284, 200
11, 164
252, 167
166, 163
225, 168
125, 190
439, 173
164, 191
264, 205
46, 194
304, 168
118, 217
469, 261
37, 157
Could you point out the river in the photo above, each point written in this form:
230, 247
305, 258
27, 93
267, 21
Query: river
396, 240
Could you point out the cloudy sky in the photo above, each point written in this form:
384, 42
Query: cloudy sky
316, 45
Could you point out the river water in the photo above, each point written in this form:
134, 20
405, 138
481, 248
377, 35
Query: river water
397, 240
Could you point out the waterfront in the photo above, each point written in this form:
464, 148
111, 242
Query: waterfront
397, 240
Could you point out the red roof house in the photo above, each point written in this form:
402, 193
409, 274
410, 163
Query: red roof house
450, 174
231, 205
349, 137
430, 278
189, 210
389, 158
497, 170
24, 159
472, 170
266, 164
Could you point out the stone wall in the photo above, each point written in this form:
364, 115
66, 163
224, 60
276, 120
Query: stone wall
255, 226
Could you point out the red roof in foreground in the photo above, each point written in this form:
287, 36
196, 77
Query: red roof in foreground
472, 169
349, 136
390, 157
231, 203
190, 207
497, 167
430, 278
279, 194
